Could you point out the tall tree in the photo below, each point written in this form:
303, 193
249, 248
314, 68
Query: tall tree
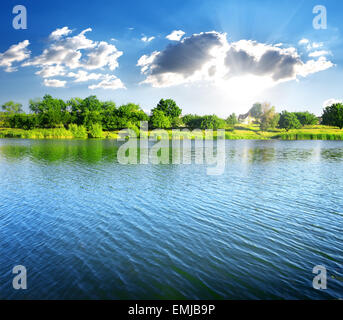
50, 112
333, 115
269, 118
12, 107
256, 110
169, 108
306, 118
232, 119
289, 120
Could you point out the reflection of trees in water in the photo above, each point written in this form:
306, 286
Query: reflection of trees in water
191, 152
261, 154
332, 154
12, 152
249, 152
89, 151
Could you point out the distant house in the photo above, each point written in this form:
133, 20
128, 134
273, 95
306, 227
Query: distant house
246, 119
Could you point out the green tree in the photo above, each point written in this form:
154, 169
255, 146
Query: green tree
177, 123
333, 115
169, 108
12, 107
232, 119
269, 118
256, 110
23, 121
306, 118
212, 122
86, 111
50, 112
289, 120
159, 120
192, 121
90, 114
130, 114
109, 116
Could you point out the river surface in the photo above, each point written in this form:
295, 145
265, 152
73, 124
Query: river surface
88, 227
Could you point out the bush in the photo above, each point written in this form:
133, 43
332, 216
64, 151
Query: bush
159, 120
134, 128
176, 123
212, 122
95, 131
79, 132
192, 121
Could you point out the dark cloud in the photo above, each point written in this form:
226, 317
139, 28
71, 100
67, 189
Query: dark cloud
187, 56
274, 62
239, 62
185, 61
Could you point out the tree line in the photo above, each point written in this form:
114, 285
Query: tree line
91, 114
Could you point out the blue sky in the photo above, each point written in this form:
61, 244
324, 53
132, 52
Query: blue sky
231, 53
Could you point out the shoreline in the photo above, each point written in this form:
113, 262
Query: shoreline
240, 132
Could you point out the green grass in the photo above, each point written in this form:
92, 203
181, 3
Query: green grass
239, 132
312, 133
58, 133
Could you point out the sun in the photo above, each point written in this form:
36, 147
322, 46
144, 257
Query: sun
246, 86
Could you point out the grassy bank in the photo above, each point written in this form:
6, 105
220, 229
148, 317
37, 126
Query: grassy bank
58, 133
238, 133
312, 133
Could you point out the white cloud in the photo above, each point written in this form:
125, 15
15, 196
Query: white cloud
310, 45
110, 82
209, 57
84, 76
316, 45
54, 83
66, 53
176, 35
303, 41
146, 39
16, 53
102, 55
331, 101
59, 33
319, 53
51, 71
145, 61
314, 66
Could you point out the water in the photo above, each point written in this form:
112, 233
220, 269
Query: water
87, 227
